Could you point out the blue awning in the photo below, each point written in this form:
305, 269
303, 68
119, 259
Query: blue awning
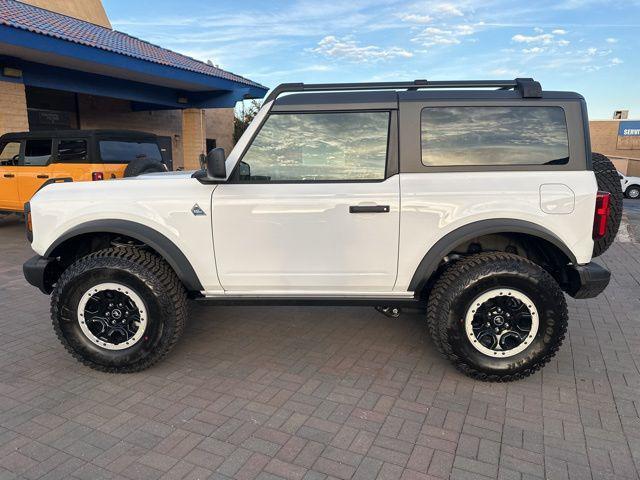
64, 53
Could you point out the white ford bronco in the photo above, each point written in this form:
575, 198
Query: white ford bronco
479, 200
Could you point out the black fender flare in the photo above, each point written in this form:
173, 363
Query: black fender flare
147, 235
442, 247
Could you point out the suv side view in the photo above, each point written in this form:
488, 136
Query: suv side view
477, 200
31, 160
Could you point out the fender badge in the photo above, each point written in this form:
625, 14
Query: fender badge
197, 211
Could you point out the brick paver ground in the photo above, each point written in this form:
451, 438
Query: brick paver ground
315, 393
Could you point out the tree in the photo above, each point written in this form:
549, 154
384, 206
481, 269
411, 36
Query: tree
243, 117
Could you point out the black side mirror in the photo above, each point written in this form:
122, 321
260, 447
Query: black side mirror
216, 164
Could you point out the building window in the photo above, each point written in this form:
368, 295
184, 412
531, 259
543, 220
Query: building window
487, 136
211, 144
51, 109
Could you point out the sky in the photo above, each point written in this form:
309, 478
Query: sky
588, 46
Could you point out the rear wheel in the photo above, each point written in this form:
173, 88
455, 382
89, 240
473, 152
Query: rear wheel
608, 181
119, 309
497, 316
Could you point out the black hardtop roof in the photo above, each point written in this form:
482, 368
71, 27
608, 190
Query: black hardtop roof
388, 92
133, 134
392, 97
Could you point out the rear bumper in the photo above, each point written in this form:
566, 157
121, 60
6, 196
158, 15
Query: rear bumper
585, 281
39, 272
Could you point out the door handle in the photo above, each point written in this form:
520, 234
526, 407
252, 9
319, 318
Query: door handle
43, 176
369, 209
9, 175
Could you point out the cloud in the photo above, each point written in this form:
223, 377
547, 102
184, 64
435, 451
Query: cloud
533, 50
349, 50
431, 36
449, 9
416, 18
544, 38
612, 40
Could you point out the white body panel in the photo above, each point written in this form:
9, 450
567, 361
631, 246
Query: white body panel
280, 237
434, 204
162, 202
626, 182
300, 239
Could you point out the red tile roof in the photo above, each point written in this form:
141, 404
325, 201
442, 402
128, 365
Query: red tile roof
38, 20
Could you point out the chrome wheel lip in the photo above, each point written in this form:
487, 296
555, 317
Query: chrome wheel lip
497, 292
135, 298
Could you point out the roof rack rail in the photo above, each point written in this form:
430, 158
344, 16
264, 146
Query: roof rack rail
527, 87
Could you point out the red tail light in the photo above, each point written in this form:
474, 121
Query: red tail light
601, 215
95, 176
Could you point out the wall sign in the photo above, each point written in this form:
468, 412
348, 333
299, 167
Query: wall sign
629, 129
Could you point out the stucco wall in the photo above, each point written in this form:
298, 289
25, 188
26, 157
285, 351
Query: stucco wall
13, 108
605, 139
219, 125
87, 10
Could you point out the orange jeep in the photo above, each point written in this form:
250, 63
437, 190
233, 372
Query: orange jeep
31, 160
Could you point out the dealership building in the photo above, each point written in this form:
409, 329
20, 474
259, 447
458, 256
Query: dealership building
619, 139
62, 66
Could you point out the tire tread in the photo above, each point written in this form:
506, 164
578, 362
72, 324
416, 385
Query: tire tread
444, 292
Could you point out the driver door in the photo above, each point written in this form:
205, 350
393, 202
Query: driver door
313, 207
9, 159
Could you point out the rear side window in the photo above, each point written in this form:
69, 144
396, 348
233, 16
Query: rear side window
72, 151
117, 151
37, 152
487, 136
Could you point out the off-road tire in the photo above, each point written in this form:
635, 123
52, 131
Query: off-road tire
463, 282
140, 166
633, 191
145, 273
608, 181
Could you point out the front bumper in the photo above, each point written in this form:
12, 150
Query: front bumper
41, 272
585, 281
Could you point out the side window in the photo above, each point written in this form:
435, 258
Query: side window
72, 151
120, 151
487, 136
37, 152
9, 154
309, 147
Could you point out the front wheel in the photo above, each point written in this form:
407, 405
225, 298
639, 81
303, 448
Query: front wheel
633, 192
497, 316
119, 309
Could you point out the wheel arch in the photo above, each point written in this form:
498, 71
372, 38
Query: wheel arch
155, 240
506, 226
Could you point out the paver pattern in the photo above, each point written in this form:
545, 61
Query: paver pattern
318, 393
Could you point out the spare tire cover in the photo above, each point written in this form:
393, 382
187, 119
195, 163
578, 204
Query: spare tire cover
143, 165
608, 181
